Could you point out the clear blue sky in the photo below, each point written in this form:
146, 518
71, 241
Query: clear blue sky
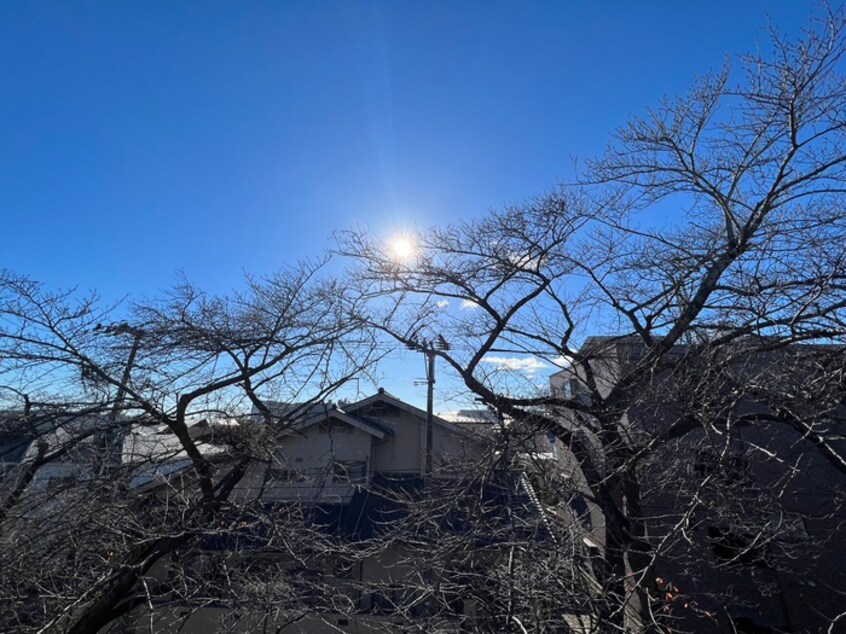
142, 138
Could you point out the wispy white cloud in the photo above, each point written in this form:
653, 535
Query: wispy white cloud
442, 303
562, 361
466, 304
523, 260
527, 365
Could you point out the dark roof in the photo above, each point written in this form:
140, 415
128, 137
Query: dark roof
18, 431
502, 508
383, 396
300, 416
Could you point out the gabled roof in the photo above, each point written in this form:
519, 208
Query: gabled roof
300, 416
385, 397
291, 412
358, 422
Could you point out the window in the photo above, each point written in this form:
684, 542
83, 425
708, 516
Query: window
354, 471
380, 604
570, 387
731, 547
60, 482
581, 510
276, 475
732, 466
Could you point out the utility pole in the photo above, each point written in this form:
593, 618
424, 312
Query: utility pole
109, 439
430, 350
430, 402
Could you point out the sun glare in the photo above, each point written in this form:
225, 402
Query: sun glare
402, 248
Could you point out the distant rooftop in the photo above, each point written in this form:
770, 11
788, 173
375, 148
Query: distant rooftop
470, 417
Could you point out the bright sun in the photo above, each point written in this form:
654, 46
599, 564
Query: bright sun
402, 248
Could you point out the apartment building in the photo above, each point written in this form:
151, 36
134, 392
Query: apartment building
741, 479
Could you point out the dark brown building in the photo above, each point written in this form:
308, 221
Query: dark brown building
740, 460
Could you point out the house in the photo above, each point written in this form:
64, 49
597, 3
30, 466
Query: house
349, 521
49, 451
741, 479
326, 450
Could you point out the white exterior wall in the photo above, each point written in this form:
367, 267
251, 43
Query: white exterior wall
455, 454
313, 454
401, 451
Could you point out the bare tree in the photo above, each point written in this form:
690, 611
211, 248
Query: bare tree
707, 245
474, 553
136, 441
